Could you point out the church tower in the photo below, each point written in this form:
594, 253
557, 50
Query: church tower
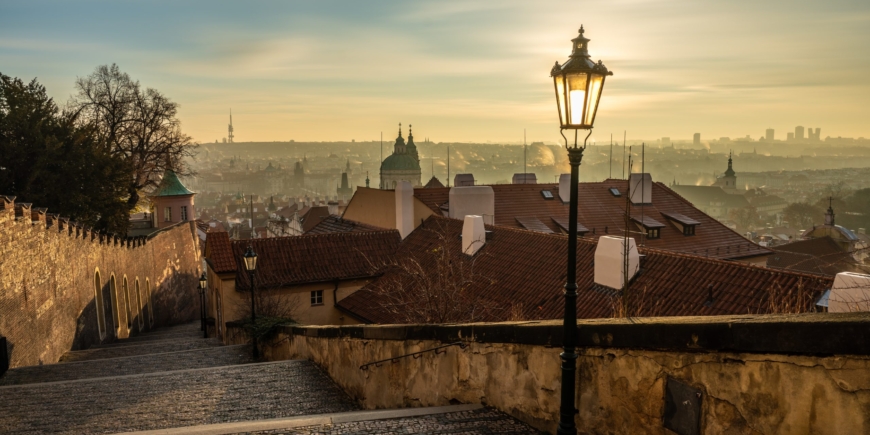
230, 129
728, 181
403, 164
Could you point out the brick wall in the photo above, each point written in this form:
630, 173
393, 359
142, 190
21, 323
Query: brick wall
48, 268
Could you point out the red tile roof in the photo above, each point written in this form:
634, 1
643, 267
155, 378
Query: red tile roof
336, 224
821, 255
283, 261
218, 252
524, 275
603, 214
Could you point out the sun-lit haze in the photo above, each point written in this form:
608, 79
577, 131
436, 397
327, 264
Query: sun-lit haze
461, 70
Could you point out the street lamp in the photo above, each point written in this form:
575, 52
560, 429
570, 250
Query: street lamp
203, 284
251, 265
578, 84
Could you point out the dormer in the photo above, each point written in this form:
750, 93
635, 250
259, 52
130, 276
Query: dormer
685, 224
649, 226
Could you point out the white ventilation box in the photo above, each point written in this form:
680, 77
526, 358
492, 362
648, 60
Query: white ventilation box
640, 188
610, 261
472, 200
565, 188
851, 292
524, 178
463, 180
473, 234
404, 208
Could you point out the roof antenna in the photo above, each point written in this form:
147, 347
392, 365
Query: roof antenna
623, 154
610, 162
381, 173
524, 156
642, 187
448, 165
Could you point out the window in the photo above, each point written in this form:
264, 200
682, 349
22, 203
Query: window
614, 191
317, 297
547, 194
184, 212
167, 214
653, 233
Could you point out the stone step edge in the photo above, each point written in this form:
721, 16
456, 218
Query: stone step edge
165, 372
124, 343
91, 361
307, 420
144, 343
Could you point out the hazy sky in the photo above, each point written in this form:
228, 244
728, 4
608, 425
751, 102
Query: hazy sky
462, 70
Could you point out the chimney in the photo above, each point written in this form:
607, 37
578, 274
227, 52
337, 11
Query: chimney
640, 188
610, 261
472, 200
525, 179
565, 188
404, 208
473, 234
850, 293
332, 206
461, 180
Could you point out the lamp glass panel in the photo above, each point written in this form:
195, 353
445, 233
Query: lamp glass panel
560, 97
595, 84
576, 97
251, 262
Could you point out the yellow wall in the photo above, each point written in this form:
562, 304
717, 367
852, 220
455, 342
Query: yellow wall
378, 208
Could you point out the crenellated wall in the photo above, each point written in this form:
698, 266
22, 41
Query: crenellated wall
61, 281
797, 374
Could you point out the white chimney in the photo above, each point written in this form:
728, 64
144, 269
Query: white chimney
610, 261
473, 234
565, 188
640, 188
463, 180
332, 207
404, 208
527, 178
472, 200
850, 293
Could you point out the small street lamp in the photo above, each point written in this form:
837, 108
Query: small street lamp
203, 284
251, 265
578, 83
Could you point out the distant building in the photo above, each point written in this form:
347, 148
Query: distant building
768, 135
799, 133
403, 164
696, 139
789, 137
345, 191
728, 180
666, 141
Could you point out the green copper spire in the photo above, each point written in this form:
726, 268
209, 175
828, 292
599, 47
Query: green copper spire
170, 185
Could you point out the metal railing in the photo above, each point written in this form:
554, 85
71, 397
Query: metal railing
416, 355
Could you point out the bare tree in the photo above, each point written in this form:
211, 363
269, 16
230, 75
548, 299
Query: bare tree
273, 309
139, 125
442, 285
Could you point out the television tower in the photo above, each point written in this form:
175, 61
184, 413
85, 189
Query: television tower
230, 135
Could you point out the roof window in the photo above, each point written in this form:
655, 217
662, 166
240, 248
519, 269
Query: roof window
683, 223
547, 194
615, 192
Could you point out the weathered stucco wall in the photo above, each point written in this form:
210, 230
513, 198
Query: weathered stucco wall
51, 291
514, 367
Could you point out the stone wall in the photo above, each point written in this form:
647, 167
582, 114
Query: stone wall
759, 375
57, 278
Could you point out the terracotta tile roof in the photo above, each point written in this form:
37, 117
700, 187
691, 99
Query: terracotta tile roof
335, 224
314, 216
527, 272
602, 213
432, 183
821, 256
218, 251
283, 261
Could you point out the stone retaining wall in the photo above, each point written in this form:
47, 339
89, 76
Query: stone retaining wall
759, 375
48, 301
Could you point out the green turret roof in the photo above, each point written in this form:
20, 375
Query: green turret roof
170, 185
400, 162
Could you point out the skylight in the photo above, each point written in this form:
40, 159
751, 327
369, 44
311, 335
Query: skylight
615, 192
547, 194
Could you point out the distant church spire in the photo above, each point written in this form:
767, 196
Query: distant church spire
829, 215
230, 133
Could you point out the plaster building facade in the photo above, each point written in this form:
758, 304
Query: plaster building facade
172, 202
403, 164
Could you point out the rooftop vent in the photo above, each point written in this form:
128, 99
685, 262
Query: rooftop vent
463, 180
525, 179
851, 292
473, 234
640, 188
610, 261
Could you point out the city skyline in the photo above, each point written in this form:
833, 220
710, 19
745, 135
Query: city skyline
461, 71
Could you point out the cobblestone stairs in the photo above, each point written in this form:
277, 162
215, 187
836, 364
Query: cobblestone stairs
173, 381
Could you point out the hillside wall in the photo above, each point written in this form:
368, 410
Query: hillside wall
61, 281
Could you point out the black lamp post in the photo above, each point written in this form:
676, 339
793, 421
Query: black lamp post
203, 284
578, 83
251, 265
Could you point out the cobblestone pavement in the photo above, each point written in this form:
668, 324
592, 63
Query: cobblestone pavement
139, 349
152, 363
172, 399
480, 421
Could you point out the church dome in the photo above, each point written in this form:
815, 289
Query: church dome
400, 162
